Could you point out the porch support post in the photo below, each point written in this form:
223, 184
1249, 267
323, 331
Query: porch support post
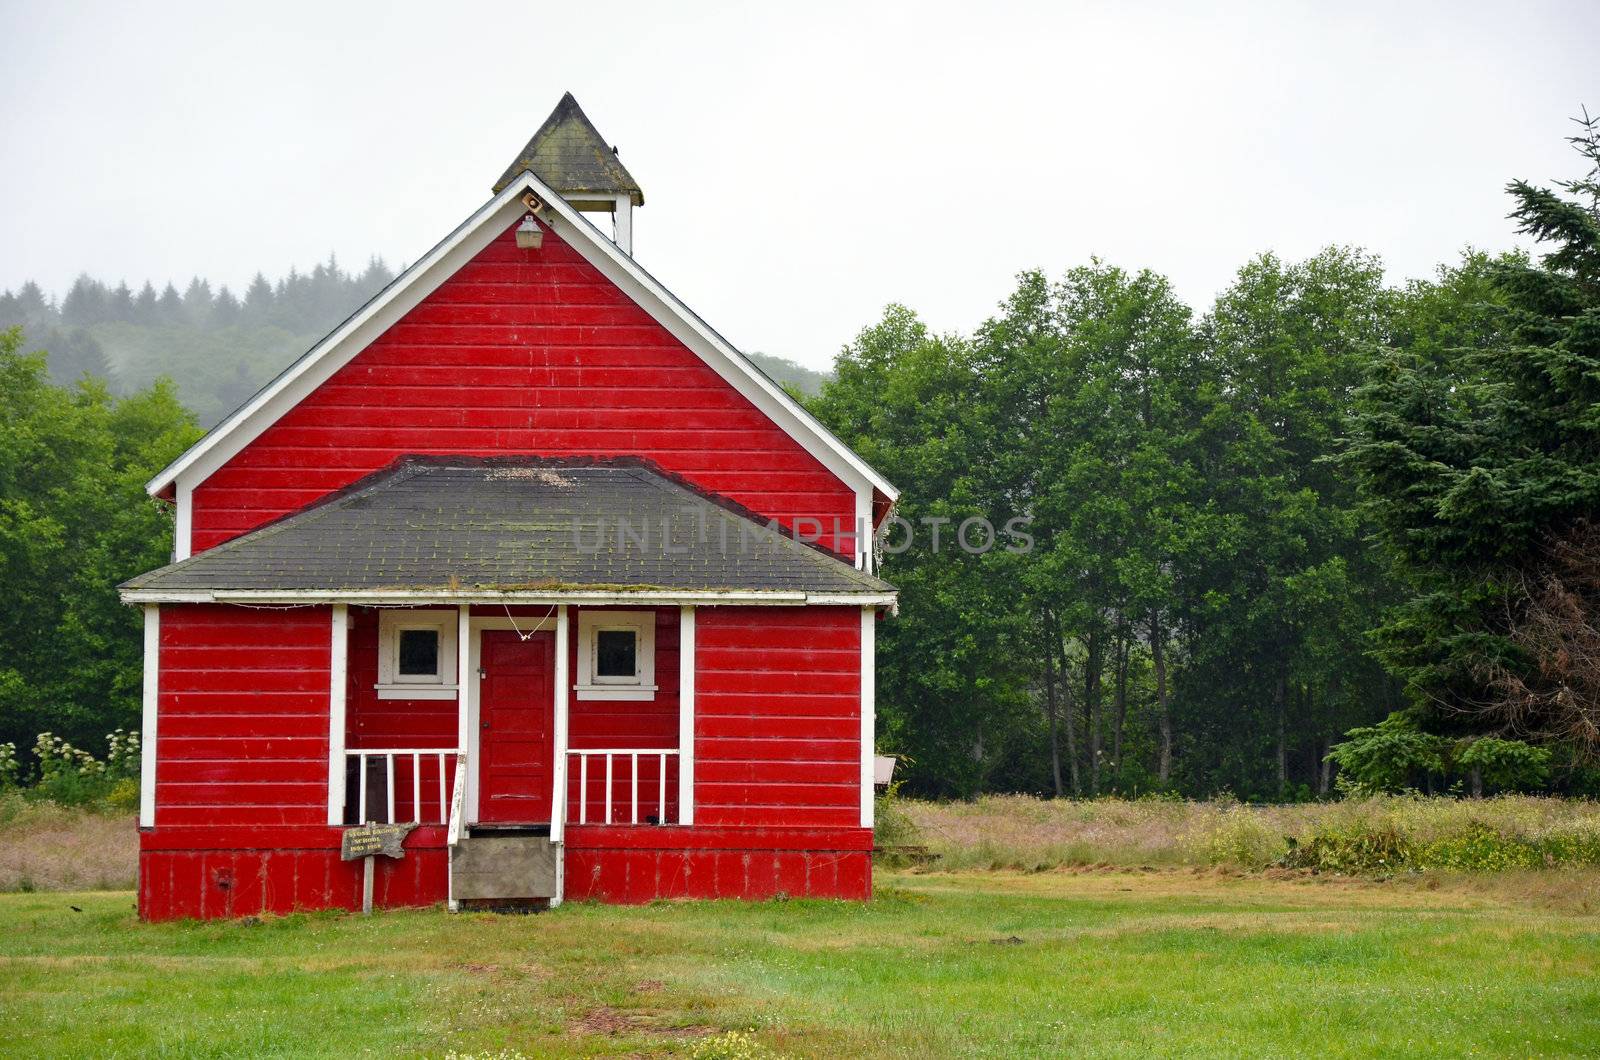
463, 682
869, 659
686, 665
339, 649
558, 794
147, 735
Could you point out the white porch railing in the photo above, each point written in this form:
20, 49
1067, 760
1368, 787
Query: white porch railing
437, 755
630, 757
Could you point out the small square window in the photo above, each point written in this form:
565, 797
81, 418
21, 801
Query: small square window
616, 656
416, 653
419, 653
616, 653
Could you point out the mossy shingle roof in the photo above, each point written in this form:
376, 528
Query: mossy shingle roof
569, 154
504, 525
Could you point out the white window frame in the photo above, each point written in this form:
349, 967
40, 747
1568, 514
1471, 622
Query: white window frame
391, 684
642, 685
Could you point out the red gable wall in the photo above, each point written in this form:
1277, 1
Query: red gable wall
524, 352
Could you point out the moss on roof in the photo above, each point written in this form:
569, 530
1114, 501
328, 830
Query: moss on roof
569, 154
513, 524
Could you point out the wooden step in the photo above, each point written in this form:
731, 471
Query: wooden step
503, 868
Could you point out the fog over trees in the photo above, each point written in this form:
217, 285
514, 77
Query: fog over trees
218, 346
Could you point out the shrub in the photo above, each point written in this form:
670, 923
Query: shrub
1571, 843
1479, 848
71, 776
892, 828
1391, 755
10, 768
1239, 836
1386, 757
122, 753
1509, 765
1362, 847
124, 795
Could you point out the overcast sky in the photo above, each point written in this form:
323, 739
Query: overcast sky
803, 164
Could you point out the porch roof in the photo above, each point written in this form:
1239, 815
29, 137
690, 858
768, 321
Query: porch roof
433, 527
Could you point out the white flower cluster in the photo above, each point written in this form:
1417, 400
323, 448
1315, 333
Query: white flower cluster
57, 756
122, 753
10, 768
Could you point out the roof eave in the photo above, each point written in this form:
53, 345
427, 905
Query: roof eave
456, 597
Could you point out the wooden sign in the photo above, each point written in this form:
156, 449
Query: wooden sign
367, 840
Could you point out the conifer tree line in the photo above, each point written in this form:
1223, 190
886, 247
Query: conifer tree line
1324, 523
219, 345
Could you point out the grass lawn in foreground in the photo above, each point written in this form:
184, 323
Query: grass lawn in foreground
990, 964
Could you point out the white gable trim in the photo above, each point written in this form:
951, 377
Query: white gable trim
319, 363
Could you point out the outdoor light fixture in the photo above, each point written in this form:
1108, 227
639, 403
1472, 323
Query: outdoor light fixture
529, 235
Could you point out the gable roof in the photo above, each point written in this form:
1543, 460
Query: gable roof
569, 154
407, 290
500, 528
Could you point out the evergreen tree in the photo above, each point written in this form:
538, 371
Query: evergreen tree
85, 303
197, 302
225, 310
169, 309
1476, 448
144, 306
258, 300
120, 305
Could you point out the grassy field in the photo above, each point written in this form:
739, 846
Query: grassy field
1374, 835
1177, 961
45, 847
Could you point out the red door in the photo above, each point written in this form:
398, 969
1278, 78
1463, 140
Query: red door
516, 716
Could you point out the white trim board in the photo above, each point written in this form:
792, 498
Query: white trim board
147, 734
686, 675
318, 364
338, 668
420, 597
869, 683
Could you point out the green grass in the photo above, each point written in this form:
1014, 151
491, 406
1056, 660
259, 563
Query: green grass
1103, 963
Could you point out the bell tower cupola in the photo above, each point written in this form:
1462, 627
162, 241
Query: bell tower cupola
569, 154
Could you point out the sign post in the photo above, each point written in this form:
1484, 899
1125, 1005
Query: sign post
367, 841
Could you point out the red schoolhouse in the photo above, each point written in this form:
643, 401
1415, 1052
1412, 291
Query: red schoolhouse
527, 556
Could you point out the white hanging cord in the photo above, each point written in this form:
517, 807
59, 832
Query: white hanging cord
528, 635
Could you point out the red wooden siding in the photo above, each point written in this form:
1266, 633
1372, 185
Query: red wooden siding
374, 722
243, 707
778, 716
617, 724
208, 873
625, 723
644, 864
524, 352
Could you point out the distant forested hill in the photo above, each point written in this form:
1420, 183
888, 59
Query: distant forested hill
219, 347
